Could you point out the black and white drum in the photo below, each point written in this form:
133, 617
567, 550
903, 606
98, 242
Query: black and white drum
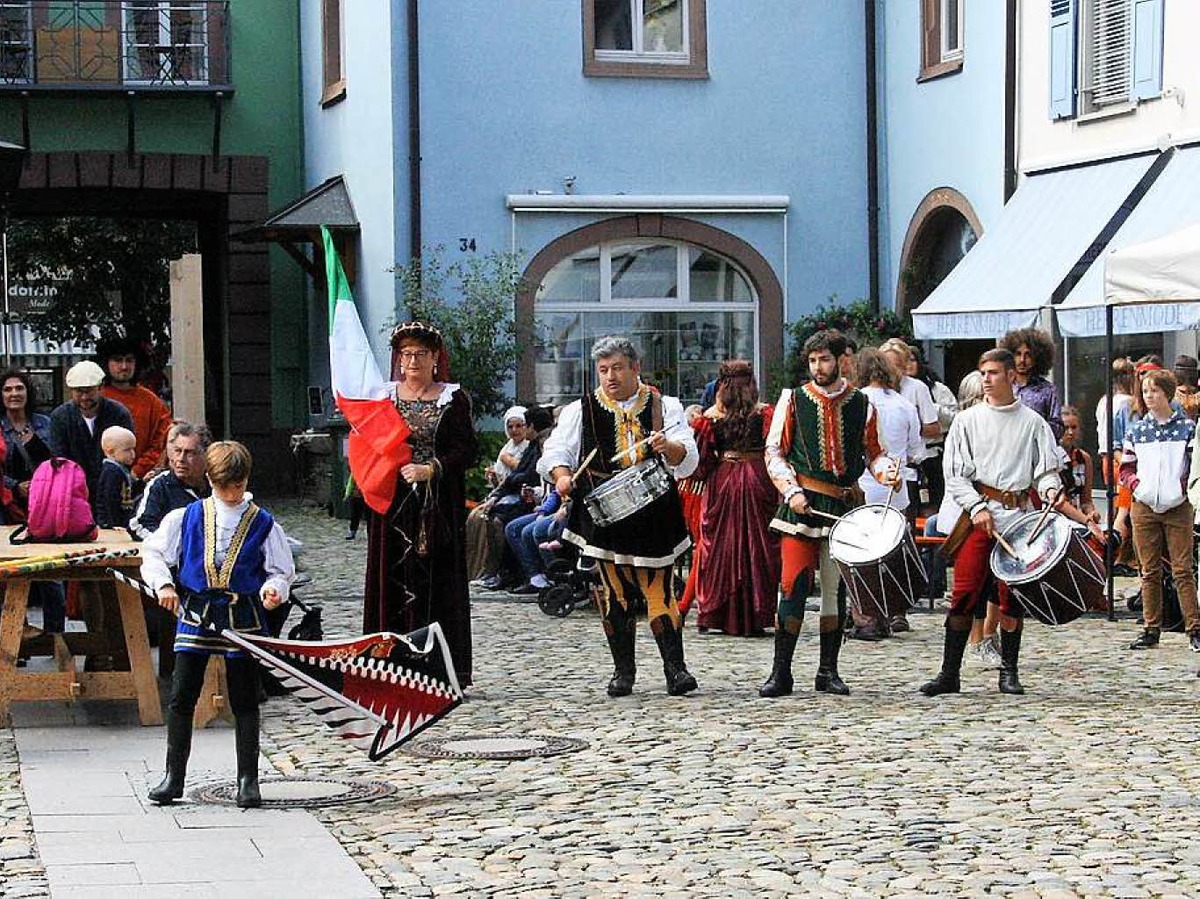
1056, 576
628, 491
877, 556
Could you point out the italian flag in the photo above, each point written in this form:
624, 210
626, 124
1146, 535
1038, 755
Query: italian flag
378, 444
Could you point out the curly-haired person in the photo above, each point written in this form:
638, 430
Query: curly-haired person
1033, 351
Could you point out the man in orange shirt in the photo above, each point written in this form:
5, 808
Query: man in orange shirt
151, 417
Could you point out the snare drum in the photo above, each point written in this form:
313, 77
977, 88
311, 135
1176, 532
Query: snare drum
628, 491
1056, 577
877, 556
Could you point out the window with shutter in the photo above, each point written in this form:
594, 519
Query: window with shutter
1147, 48
1062, 58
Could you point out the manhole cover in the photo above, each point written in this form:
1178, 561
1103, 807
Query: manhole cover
300, 792
494, 747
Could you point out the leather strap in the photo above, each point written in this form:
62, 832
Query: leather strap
1010, 499
824, 488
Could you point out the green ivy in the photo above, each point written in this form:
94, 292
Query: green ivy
856, 319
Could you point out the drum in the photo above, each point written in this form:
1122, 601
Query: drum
877, 556
1056, 577
628, 491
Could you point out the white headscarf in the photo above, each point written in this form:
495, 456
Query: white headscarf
512, 448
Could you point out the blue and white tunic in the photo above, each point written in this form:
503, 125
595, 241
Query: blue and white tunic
226, 556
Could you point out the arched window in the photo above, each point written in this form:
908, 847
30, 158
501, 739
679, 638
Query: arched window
685, 307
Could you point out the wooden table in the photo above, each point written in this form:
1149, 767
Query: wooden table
66, 683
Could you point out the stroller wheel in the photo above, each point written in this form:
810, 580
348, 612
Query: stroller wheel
557, 601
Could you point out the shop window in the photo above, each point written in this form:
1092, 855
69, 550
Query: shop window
941, 38
645, 38
1085, 373
686, 309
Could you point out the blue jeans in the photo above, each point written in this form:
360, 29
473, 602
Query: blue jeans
935, 562
524, 534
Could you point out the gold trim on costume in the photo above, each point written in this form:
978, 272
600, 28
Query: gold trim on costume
219, 578
627, 429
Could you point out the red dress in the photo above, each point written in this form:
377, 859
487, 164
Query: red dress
738, 582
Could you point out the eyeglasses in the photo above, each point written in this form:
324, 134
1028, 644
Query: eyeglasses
414, 355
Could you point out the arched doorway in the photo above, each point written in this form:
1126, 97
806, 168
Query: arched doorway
941, 232
688, 294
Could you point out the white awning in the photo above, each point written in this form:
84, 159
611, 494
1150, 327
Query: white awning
1017, 265
1152, 261
774, 203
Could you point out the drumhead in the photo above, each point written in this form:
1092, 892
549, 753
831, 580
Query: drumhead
1034, 559
867, 534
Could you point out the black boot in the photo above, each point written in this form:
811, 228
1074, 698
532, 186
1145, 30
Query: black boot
780, 681
952, 655
1010, 652
827, 679
670, 647
245, 727
179, 747
620, 644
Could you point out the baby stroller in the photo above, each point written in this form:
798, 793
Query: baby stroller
572, 580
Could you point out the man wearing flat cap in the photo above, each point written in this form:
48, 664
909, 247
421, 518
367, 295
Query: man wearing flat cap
1187, 394
76, 425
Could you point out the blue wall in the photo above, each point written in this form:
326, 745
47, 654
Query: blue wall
506, 109
354, 138
948, 132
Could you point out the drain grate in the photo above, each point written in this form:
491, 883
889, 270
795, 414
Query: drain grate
488, 746
300, 792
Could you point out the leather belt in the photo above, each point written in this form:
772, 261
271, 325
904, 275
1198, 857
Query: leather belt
825, 488
1010, 499
738, 456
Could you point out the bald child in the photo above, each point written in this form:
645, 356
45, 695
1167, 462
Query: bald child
115, 501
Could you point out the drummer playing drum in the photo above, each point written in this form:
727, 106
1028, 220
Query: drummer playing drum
997, 452
620, 424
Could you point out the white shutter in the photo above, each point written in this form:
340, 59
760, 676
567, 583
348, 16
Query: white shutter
1109, 39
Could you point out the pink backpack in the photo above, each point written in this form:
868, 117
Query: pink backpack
59, 511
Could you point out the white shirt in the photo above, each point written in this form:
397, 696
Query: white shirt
1121, 401
900, 435
562, 446
927, 411
1006, 447
161, 550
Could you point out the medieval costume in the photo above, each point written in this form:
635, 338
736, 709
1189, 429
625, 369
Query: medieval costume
738, 578
416, 555
635, 555
227, 556
819, 443
995, 455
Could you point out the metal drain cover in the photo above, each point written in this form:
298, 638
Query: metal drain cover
488, 746
300, 792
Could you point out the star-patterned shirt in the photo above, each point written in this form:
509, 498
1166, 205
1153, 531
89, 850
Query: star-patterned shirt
1156, 459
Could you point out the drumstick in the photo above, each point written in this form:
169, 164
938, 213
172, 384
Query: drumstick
626, 452
586, 462
1007, 548
1044, 517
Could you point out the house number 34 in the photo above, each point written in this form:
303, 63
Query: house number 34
466, 244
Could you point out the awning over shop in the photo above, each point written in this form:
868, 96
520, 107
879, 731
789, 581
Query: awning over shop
1021, 260
1153, 259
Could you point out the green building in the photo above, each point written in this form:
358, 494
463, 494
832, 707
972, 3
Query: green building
184, 110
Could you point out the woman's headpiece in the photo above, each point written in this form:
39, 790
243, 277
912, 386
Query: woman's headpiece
417, 330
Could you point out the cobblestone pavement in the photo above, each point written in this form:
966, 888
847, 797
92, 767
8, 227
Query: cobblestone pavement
1086, 786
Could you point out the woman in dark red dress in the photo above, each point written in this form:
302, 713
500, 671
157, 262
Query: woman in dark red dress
416, 554
738, 583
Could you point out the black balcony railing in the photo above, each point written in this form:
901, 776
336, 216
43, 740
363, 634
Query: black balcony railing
126, 45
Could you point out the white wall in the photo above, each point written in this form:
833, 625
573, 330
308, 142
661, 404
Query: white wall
353, 138
1044, 142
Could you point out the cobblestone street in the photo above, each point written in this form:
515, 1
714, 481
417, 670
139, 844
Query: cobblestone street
1085, 786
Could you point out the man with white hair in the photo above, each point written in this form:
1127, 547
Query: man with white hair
621, 424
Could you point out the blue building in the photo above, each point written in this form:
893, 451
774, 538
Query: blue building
947, 146
690, 173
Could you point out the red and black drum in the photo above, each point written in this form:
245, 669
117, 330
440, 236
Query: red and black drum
1055, 574
877, 556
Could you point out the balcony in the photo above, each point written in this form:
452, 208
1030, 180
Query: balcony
115, 46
